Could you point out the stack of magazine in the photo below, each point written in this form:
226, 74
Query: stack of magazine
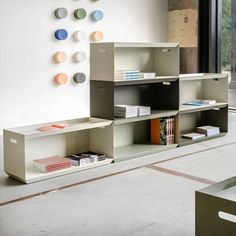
127, 74
128, 111
202, 132
50, 164
86, 158
125, 111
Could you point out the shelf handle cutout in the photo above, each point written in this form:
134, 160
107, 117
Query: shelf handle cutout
226, 216
101, 89
166, 83
13, 140
166, 50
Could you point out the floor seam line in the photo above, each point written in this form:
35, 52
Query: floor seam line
189, 154
67, 186
181, 174
109, 175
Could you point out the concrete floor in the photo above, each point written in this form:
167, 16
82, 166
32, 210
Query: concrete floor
151, 195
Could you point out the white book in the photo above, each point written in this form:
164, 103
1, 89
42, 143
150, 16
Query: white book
144, 110
125, 111
193, 136
208, 101
148, 75
208, 130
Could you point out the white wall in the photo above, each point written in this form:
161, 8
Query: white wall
28, 94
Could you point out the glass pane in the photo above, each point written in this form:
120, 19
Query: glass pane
227, 54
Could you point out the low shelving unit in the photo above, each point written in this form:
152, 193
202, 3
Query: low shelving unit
24, 144
124, 138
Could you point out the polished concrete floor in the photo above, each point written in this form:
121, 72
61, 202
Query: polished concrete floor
151, 195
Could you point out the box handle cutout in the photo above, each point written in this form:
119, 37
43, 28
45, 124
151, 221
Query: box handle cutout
166, 50
101, 89
13, 140
166, 83
227, 216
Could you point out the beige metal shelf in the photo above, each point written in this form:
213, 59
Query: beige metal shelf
192, 108
186, 141
32, 175
154, 114
158, 79
137, 150
73, 125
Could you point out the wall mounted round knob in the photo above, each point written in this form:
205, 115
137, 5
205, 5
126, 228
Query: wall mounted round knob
61, 34
61, 13
80, 14
97, 15
61, 78
79, 78
79, 56
79, 35
60, 57
97, 36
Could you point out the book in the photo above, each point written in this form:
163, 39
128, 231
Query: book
208, 102
148, 75
200, 102
125, 111
85, 158
127, 74
194, 136
144, 110
50, 164
208, 130
47, 128
162, 131
60, 125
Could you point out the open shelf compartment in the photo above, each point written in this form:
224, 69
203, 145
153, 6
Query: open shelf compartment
107, 58
188, 122
205, 87
133, 140
20, 150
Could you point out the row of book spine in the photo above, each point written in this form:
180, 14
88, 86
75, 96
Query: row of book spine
163, 131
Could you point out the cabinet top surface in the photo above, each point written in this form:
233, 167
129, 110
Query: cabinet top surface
202, 76
138, 44
33, 131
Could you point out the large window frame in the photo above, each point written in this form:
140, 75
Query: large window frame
210, 13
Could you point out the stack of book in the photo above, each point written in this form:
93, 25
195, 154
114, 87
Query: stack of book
200, 102
202, 132
126, 111
127, 74
86, 158
148, 75
193, 136
50, 164
144, 111
162, 131
208, 130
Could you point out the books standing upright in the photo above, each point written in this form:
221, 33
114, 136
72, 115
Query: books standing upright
162, 131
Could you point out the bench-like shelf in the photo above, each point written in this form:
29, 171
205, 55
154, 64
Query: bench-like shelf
73, 125
25, 144
33, 175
